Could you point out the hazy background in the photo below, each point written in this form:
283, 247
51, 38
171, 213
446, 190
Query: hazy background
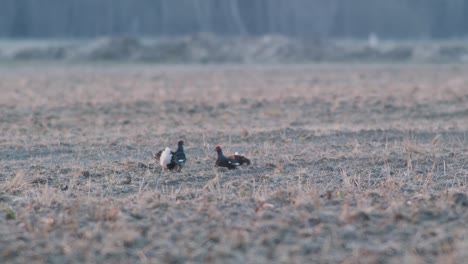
278, 30
298, 18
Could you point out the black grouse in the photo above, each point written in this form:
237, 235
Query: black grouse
171, 160
240, 159
230, 162
180, 154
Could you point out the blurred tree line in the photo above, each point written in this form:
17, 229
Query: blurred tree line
297, 18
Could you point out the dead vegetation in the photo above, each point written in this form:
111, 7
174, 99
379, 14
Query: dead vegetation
361, 163
206, 48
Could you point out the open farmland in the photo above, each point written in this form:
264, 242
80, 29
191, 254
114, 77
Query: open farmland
350, 163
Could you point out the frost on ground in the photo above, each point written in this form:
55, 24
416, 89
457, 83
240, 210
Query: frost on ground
349, 163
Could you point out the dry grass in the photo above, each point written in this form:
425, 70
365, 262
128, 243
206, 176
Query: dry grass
350, 163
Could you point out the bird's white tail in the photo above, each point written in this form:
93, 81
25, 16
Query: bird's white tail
236, 153
166, 157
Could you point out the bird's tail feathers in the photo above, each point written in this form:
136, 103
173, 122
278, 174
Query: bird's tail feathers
166, 157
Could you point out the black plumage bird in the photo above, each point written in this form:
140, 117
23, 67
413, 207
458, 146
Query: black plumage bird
241, 159
171, 160
230, 162
180, 154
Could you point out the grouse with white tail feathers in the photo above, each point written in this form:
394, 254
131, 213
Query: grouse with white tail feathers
240, 159
171, 160
230, 162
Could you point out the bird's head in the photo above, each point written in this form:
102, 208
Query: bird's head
181, 142
217, 148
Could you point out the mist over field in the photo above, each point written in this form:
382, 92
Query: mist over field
354, 115
216, 32
206, 48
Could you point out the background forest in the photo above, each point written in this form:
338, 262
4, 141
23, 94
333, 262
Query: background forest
409, 19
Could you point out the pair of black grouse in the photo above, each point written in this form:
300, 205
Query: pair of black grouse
175, 160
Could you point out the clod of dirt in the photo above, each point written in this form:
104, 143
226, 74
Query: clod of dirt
39, 181
401, 217
222, 105
88, 174
141, 165
374, 198
63, 187
127, 180
4, 197
222, 169
181, 198
136, 215
460, 199
426, 215
245, 132
256, 105
65, 170
360, 217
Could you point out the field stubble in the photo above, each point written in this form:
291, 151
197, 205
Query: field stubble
350, 163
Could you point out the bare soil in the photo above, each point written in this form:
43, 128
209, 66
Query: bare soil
350, 163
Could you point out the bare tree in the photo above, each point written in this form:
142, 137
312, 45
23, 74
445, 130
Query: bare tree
298, 18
